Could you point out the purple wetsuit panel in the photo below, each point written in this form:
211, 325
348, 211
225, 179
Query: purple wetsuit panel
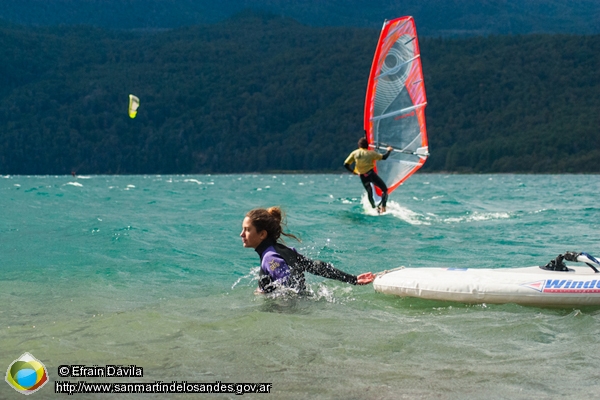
274, 265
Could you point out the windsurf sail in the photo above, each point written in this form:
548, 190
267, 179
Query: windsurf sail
134, 103
395, 103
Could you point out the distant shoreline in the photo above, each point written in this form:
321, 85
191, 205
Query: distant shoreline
7, 176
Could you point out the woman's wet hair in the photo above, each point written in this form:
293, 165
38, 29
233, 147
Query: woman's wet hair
271, 220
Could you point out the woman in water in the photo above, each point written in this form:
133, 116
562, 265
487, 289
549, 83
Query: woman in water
281, 265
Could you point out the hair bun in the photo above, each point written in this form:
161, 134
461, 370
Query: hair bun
270, 220
276, 213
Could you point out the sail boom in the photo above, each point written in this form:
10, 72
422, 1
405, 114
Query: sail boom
421, 151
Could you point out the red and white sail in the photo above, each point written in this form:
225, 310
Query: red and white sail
395, 102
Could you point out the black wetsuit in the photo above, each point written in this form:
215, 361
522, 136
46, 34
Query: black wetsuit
372, 177
284, 266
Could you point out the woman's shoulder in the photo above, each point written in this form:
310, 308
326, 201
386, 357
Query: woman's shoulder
276, 250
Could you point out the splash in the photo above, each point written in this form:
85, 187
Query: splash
396, 210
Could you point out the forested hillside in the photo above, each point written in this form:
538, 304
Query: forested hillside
514, 103
260, 93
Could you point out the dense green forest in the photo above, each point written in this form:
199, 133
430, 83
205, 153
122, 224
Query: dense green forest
264, 93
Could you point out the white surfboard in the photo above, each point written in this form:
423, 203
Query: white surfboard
577, 286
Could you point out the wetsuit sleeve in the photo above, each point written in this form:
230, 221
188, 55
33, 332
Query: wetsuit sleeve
325, 270
348, 167
386, 155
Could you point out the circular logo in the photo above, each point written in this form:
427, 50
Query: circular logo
26, 374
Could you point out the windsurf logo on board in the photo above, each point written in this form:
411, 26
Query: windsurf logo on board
565, 286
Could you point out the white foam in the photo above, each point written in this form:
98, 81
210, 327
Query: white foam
396, 210
476, 216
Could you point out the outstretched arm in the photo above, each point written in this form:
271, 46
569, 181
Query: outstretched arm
389, 151
327, 270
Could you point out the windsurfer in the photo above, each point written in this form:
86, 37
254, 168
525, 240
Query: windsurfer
364, 164
282, 266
